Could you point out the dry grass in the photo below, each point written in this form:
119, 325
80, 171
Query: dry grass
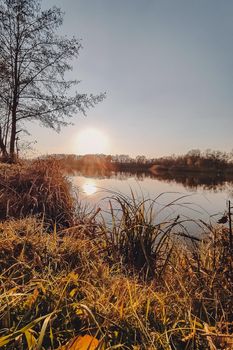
36, 188
68, 280
55, 284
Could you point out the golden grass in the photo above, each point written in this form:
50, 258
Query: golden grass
60, 283
69, 280
36, 188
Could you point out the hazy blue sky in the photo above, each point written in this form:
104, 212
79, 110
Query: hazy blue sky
167, 68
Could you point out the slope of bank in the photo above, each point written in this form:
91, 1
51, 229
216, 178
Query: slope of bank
132, 285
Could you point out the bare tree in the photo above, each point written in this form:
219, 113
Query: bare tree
34, 61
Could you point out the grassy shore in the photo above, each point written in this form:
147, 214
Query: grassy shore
131, 284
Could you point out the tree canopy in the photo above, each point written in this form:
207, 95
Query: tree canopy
34, 61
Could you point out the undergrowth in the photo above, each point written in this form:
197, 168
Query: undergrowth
132, 285
36, 188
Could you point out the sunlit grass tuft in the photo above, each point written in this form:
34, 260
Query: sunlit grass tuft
36, 188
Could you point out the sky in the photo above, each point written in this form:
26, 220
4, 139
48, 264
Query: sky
166, 67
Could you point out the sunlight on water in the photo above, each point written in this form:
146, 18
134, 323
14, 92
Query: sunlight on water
194, 199
89, 188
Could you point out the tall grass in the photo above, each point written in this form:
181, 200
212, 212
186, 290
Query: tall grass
131, 285
37, 188
134, 239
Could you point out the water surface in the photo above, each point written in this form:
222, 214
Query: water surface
196, 197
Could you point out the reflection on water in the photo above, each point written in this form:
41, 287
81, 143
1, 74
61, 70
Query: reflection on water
191, 181
203, 196
89, 188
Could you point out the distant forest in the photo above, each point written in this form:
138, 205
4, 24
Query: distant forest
193, 161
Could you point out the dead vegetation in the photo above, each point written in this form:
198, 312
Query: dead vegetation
36, 188
75, 279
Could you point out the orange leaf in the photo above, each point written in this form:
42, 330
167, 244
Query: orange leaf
85, 342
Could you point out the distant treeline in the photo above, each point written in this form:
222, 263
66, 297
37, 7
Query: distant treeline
193, 161
196, 161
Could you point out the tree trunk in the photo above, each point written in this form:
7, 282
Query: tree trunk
13, 136
13, 156
3, 150
3, 146
14, 118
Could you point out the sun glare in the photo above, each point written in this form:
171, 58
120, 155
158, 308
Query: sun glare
92, 141
89, 188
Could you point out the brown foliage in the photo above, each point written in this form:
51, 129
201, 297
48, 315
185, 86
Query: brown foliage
36, 188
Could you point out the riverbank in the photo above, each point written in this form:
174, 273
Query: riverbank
133, 285
214, 163
160, 169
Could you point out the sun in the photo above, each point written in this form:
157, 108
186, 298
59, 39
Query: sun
92, 141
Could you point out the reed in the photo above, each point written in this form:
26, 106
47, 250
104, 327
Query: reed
136, 240
36, 188
87, 278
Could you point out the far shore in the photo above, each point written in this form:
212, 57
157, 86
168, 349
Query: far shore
214, 163
158, 169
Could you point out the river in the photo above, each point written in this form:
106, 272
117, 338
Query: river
193, 197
